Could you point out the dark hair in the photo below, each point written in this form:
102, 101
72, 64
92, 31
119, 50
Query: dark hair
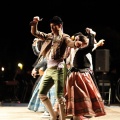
82, 38
56, 20
76, 34
80, 35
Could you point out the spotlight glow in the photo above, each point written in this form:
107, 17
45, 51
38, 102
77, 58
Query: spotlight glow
20, 65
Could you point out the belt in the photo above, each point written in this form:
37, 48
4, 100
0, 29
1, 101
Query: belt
54, 67
73, 69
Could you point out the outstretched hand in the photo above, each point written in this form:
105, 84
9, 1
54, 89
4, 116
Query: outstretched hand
36, 19
90, 31
101, 42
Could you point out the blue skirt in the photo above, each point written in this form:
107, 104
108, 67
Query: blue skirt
35, 104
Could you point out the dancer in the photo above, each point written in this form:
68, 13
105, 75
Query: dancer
54, 50
36, 47
41, 64
82, 96
69, 60
72, 51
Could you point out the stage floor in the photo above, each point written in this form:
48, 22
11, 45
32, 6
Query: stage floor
20, 112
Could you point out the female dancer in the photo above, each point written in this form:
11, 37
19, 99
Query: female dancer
82, 95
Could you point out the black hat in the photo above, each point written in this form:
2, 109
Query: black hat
56, 20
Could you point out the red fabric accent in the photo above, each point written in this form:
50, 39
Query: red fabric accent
82, 96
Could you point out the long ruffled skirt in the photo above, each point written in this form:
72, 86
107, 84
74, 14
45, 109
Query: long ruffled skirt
82, 96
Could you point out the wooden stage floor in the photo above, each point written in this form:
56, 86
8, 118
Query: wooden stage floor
20, 112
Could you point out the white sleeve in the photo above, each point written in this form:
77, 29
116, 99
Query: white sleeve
95, 46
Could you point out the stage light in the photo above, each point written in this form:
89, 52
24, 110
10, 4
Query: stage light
20, 65
2, 69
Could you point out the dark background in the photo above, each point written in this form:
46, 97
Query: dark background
16, 39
